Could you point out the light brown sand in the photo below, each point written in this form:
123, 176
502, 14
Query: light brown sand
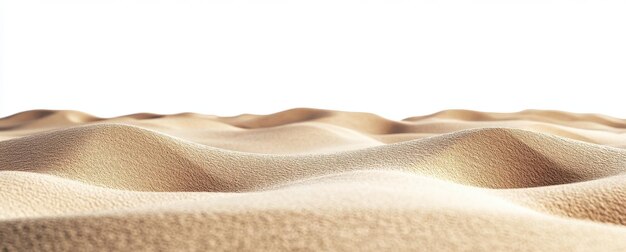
307, 179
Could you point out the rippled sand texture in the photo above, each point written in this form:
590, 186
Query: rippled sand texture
307, 179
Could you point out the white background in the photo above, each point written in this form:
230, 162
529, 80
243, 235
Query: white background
393, 58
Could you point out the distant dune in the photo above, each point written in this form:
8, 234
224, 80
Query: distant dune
313, 180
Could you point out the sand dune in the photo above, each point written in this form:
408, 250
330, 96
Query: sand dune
309, 179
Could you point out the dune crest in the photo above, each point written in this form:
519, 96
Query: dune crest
311, 179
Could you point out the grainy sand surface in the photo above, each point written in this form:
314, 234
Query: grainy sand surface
313, 180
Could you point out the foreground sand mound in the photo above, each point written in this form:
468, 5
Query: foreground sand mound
307, 179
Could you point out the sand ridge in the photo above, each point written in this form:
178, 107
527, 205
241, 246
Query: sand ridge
311, 179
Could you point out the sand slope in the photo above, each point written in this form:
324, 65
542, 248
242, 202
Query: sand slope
308, 179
